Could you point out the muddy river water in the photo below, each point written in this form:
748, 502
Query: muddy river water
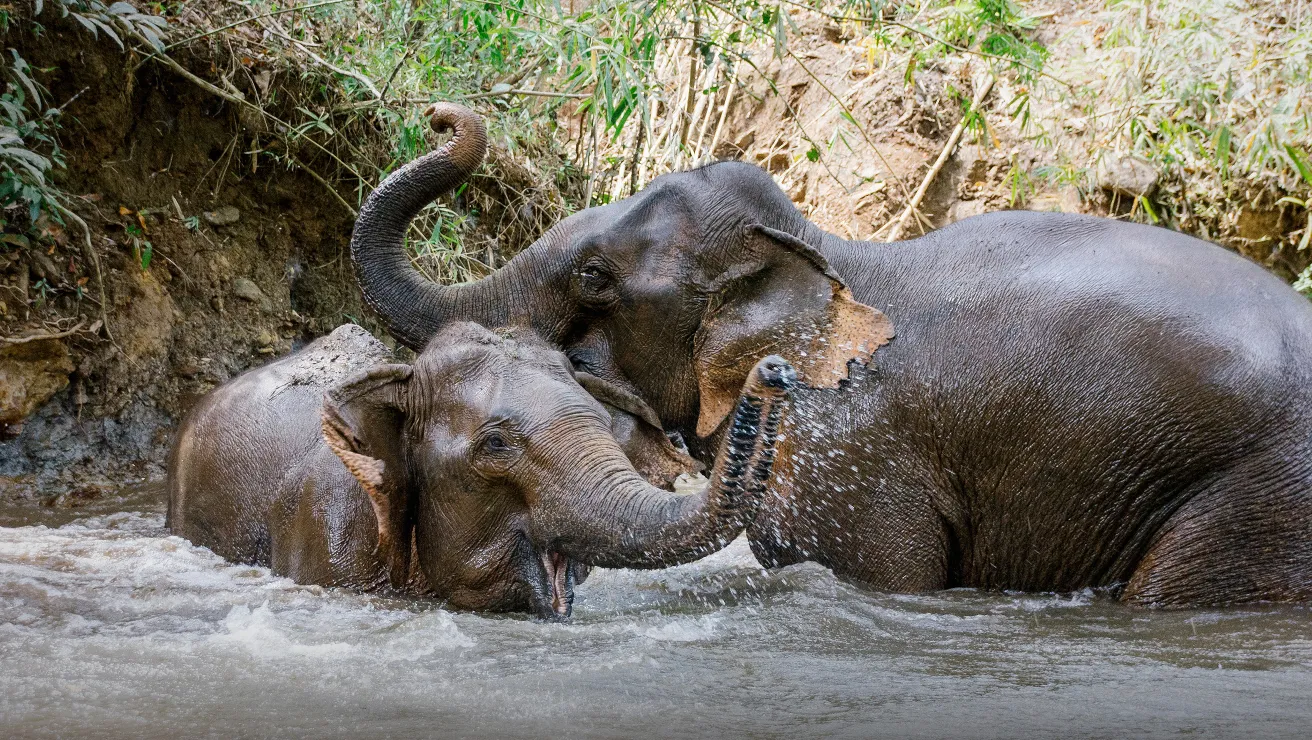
110, 627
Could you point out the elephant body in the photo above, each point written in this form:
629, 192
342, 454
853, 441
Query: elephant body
1068, 402
463, 477
251, 477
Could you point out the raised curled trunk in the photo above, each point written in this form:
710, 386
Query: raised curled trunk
412, 307
624, 522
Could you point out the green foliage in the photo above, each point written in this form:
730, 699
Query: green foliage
111, 20
1213, 93
28, 149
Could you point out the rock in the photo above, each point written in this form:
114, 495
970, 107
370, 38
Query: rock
262, 80
965, 209
1127, 175
30, 373
79, 496
145, 328
224, 216
1065, 200
249, 291
44, 268
265, 340
736, 148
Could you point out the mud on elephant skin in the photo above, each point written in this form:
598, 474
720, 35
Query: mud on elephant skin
483, 474
1070, 401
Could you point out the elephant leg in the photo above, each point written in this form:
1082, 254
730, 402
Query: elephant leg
1245, 538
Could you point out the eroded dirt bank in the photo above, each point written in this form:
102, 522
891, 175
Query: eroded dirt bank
219, 241
212, 260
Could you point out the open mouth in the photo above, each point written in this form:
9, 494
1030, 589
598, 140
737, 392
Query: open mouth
553, 594
560, 583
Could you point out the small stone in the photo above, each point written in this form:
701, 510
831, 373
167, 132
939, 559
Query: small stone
217, 303
266, 338
1127, 175
222, 216
1065, 200
247, 290
965, 209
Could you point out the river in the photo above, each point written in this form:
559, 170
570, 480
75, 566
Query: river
110, 627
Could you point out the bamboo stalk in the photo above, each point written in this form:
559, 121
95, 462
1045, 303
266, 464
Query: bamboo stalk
702, 82
708, 109
911, 208
728, 103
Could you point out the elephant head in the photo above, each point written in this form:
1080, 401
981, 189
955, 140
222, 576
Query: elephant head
673, 293
494, 475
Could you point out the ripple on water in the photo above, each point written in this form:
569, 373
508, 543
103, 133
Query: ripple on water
109, 625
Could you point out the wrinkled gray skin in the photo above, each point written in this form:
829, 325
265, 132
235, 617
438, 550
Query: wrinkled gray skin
1069, 402
468, 476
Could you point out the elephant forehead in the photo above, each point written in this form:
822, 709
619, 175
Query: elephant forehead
567, 235
525, 394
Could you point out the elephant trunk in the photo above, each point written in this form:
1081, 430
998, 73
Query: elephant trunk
628, 523
412, 307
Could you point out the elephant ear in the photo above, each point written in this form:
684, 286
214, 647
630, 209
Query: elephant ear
362, 420
782, 298
637, 429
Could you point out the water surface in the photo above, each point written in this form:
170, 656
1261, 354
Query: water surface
110, 627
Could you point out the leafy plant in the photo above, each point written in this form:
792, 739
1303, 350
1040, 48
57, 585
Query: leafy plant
28, 149
112, 20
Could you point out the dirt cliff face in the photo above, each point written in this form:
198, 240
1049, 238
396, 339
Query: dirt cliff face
214, 260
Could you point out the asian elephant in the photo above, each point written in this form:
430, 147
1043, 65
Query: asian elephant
1069, 402
483, 474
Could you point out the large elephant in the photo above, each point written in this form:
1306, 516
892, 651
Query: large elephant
484, 474
1070, 401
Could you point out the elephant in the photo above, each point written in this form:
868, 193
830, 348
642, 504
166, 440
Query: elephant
1068, 402
467, 476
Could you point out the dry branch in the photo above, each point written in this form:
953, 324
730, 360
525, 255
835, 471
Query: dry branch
45, 335
901, 223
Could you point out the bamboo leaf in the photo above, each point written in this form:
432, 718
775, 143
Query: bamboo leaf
1300, 162
87, 23
109, 31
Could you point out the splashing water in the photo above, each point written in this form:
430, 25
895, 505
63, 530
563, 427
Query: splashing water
109, 626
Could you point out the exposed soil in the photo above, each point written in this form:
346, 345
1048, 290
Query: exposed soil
245, 263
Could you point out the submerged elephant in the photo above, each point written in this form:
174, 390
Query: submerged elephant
1070, 401
484, 474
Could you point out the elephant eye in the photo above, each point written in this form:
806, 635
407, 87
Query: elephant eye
496, 443
499, 444
595, 282
593, 275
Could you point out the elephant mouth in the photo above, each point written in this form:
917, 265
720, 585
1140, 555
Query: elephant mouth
553, 593
560, 581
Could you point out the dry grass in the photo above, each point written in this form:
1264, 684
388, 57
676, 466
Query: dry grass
1216, 94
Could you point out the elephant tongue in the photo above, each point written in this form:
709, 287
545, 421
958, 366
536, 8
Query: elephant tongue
562, 596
